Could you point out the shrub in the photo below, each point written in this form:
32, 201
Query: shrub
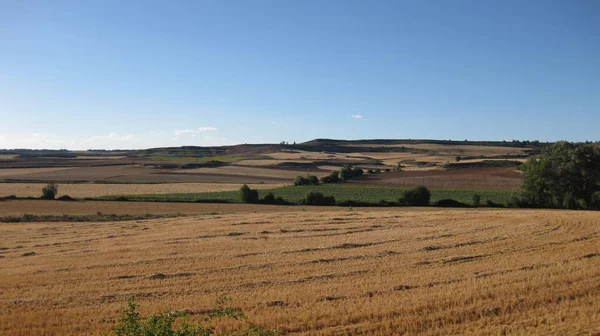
271, 199
50, 191
333, 177
377, 170
476, 199
450, 203
370, 171
491, 204
416, 196
387, 170
248, 195
65, 198
519, 202
399, 167
317, 198
346, 173
300, 180
306, 180
175, 323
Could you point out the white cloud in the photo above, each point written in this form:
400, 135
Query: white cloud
356, 116
157, 133
111, 137
112, 140
194, 131
31, 140
214, 139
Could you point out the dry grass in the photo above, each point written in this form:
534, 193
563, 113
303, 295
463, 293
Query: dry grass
359, 272
102, 189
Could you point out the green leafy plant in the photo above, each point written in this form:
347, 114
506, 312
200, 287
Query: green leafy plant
177, 323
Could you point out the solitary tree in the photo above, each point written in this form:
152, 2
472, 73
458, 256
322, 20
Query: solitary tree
50, 191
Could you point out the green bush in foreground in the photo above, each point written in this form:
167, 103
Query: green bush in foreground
176, 323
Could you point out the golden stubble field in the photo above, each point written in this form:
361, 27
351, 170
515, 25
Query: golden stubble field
313, 271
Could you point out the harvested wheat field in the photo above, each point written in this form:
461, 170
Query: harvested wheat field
103, 189
344, 272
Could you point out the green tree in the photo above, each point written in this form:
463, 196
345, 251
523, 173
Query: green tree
416, 196
248, 195
317, 198
333, 177
50, 191
306, 180
346, 173
565, 175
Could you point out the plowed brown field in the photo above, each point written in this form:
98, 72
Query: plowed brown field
469, 178
339, 272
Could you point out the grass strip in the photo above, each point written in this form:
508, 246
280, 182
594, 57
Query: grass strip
341, 192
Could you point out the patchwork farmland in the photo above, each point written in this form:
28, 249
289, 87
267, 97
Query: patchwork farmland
69, 267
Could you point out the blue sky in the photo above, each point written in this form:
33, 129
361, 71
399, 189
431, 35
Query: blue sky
135, 74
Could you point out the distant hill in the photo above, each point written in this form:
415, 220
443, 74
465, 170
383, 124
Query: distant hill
316, 145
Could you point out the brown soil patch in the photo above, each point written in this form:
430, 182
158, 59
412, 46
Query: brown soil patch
469, 178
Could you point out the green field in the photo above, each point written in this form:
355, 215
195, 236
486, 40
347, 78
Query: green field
341, 192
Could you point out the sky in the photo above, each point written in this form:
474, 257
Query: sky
138, 74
